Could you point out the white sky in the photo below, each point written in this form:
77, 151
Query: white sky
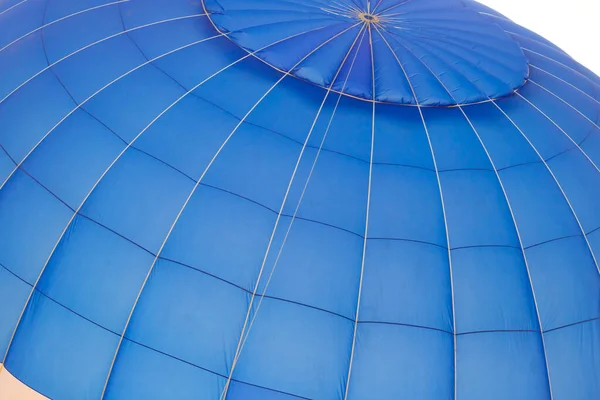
573, 25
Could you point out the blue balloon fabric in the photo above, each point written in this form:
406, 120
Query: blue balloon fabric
295, 199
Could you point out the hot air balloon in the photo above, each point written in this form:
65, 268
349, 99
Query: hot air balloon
295, 199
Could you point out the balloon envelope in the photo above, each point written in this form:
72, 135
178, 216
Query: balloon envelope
300, 199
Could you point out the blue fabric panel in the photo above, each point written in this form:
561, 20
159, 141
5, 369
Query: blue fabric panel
337, 193
88, 71
22, 62
580, 181
538, 221
61, 9
566, 282
252, 158
415, 358
7, 165
453, 141
242, 391
297, 350
20, 21
476, 210
136, 13
31, 112
96, 273
59, 353
487, 282
163, 37
407, 283
231, 241
501, 365
139, 198
72, 33
541, 132
32, 221
185, 323
188, 136
318, 266
400, 137
13, 295
405, 204
573, 357
506, 146
129, 105
72, 159
143, 373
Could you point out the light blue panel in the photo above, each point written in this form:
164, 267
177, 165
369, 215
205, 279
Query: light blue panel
188, 136
540, 209
24, 60
573, 357
139, 198
129, 105
258, 78
544, 136
318, 266
580, 181
13, 295
32, 221
407, 283
72, 159
419, 360
506, 146
256, 164
297, 350
143, 373
242, 391
501, 365
337, 193
476, 210
566, 282
223, 235
75, 32
487, 282
88, 71
189, 315
454, 143
31, 112
406, 204
60, 354
163, 37
400, 137
96, 273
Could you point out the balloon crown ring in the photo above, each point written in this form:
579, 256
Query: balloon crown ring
368, 18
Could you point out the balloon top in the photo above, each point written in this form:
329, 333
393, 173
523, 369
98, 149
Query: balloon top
411, 52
